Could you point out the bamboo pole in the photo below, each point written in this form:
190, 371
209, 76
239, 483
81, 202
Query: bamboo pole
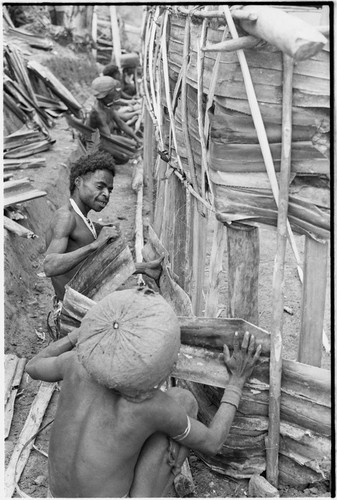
190, 157
115, 35
201, 118
261, 133
9, 405
272, 452
313, 302
215, 267
94, 31
217, 14
244, 42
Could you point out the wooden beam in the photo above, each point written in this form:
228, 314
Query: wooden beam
17, 229
23, 446
243, 250
288, 33
115, 35
215, 268
278, 278
10, 400
213, 333
148, 160
313, 302
20, 190
244, 42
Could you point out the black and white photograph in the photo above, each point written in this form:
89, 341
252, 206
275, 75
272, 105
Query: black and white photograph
167, 249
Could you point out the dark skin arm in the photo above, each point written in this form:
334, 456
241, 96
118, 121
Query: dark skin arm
49, 364
123, 126
210, 439
58, 261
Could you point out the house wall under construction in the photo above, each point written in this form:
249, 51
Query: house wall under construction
236, 139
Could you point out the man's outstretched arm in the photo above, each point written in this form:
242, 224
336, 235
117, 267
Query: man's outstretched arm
193, 434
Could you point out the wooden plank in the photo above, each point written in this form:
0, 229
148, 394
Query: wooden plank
243, 272
22, 450
199, 242
313, 302
288, 33
301, 404
148, 160
104, 270
215, 268
213, 333
11, 361
9, 405
17, 229
278, 277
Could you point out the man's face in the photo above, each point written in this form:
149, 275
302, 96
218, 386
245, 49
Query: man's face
95, 189
112, 96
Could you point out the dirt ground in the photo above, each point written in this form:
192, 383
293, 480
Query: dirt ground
28, 300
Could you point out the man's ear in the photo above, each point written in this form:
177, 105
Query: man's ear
78, 181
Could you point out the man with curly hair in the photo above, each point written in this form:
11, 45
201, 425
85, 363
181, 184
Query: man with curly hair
72, 236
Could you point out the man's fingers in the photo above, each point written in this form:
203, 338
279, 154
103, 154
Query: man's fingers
251, 345
245, 340
236, 343
226, 354
257, 353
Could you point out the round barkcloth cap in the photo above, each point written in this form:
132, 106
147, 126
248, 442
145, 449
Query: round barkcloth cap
102, 85
129, 341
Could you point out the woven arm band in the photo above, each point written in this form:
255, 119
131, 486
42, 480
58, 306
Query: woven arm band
232, 396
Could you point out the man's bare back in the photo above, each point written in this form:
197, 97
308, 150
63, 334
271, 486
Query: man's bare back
105, 441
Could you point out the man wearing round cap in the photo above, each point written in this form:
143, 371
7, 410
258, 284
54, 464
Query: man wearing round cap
103, 116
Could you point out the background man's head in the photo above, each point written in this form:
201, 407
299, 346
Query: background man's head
106, 89
112, 71
99, 160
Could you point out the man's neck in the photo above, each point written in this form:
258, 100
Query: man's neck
80, 204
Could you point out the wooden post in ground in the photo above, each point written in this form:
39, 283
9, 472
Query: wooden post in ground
148, 161
313, 302
243, 249
199, 242
275, 370
94, 31
115, 35
215, 267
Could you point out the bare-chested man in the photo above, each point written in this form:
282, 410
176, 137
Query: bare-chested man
104, 445
71, 236
103, 115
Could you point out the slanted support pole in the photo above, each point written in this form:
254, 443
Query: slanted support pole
313, 302
115, 35
148, 160
243, 272
275, 370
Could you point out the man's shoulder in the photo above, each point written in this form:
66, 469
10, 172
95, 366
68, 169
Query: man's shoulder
64, 216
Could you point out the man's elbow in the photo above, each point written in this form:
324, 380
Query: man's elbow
48, 267
30, 368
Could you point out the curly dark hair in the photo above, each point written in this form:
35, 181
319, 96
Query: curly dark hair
99, 160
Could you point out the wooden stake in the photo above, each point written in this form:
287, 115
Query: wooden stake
199, 242
94, 30
9, 406
243, 250
148, 160
272, 451
190, 156
244, 42
17, 229
21, 451
215, 267
313, 302
115, 35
